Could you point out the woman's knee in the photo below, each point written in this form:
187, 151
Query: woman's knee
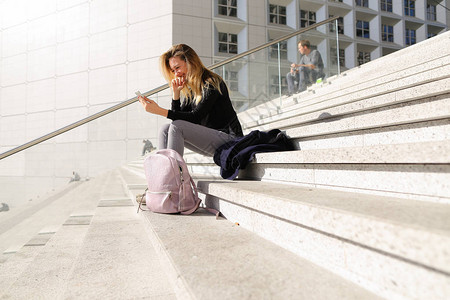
179, 123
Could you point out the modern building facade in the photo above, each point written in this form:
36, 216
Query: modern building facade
366, 29
63, 60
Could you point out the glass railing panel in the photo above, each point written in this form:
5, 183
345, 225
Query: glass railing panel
261, 77
27, 176
253, 79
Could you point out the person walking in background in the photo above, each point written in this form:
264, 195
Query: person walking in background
148, 147
5, 207
307, 71
202, 115
76, 177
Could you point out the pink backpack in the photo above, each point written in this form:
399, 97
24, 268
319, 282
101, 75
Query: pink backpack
170, 187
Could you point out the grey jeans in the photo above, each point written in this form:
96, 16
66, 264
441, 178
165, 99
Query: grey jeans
198, 138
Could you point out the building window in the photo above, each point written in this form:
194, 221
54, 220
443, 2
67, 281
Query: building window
273, 51
227, 8
362, 29
227, 43
386, 5
410, 36
410, 8
334, 57
335, 0
231, 78
387, 33
364, 3
431, 34
277, 14
340, 25
363, 57
307, 18
431, 12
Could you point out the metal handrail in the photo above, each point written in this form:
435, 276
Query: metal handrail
153, 91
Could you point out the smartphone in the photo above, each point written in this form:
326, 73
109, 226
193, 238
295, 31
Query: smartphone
139, 94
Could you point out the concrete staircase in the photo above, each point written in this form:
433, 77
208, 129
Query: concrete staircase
100, 248
209, 258
86, 243
367, 196
360, 212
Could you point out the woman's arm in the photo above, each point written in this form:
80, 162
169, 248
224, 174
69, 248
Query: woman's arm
152, 107
193, 116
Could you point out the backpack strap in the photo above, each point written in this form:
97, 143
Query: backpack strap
213, 211
210, 209
142, 198
197, 199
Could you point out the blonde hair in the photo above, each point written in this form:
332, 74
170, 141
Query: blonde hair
198, 77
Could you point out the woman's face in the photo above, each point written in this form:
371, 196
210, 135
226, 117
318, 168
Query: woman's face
178, 66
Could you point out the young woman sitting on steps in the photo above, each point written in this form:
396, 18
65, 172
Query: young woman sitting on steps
202, 115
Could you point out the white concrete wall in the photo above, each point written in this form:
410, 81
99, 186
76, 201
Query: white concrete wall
63, 60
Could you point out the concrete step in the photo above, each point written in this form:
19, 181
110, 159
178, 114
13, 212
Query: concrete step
321, 110
218, 259
372, 169
417, 132
368, 81
47, 215
349, 233
45, 276
428, 110
394, 247
436, 152
426, 182
48, 226
416, 182
117, 259
400, 62
90, 256
243, 265
16, 262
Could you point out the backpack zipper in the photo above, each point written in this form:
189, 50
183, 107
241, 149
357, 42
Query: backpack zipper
181, 192
169, 194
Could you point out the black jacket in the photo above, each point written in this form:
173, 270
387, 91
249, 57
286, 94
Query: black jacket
236, 154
